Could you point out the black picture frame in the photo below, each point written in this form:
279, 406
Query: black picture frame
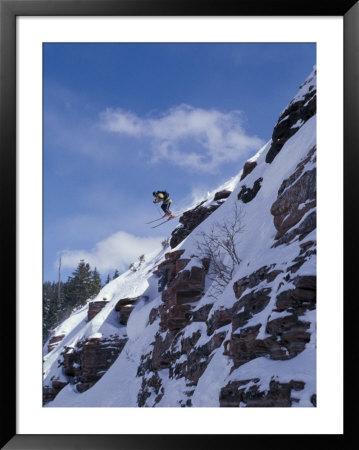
9, 10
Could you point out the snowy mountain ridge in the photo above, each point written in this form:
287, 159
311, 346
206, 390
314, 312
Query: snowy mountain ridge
195, 325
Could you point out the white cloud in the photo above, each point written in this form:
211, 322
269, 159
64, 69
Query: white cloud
190, 137
117, 251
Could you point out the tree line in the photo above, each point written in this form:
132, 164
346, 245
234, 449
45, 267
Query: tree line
61, 298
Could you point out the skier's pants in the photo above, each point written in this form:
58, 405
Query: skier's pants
166, 207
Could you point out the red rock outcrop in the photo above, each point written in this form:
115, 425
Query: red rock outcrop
54, 341
248, 393
149, 386
86, 363
169, 268
162, 356
248, 168
300, 299
50, 392
192, 218
247, 194
307, 249
285, 336
124, 307
184, 287
222, 195
292, 118
263, 274
182, 357
97, 356
296, 197
288, 337
95, 308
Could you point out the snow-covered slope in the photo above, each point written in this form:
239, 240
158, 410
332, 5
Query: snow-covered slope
190, 340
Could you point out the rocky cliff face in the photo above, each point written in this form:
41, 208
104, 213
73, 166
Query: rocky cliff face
84, 364
299, 110
193, 217
250, 344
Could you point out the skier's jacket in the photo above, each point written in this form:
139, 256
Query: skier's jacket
162, 196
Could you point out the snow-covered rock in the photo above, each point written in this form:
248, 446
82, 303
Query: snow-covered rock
188, 338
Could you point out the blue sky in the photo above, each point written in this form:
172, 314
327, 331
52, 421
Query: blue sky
123, 120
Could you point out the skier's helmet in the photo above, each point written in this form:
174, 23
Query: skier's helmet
154, 193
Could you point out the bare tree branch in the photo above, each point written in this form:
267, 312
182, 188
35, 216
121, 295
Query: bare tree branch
221, 245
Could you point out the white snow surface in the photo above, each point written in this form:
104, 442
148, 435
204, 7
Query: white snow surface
120, 385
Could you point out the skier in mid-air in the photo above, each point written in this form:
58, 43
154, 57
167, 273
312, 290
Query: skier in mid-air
163, 196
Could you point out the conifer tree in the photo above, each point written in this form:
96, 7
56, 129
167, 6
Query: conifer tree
51, 313
47, 310
96, 282
80, 285
116, 274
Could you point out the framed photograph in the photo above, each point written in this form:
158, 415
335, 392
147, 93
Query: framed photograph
164, 174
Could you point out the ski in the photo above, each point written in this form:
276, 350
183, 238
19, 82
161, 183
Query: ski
155, 220
167, 220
